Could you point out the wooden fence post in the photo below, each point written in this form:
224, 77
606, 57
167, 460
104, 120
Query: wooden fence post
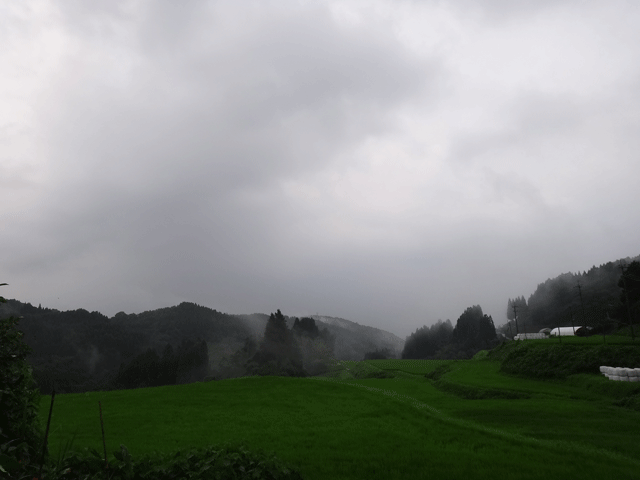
46, 434
104, 443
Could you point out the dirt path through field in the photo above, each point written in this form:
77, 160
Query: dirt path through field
433, 412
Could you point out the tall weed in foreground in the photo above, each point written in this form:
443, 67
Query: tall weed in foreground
20, 429
229, 461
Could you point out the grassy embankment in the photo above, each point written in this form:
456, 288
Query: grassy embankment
469, 420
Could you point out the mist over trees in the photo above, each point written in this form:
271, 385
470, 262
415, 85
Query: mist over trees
474, 331
317, 345
78, 351
521, 308
189, 363
427, 342
379, 354
303, 350
278, 353
235, 365
629, 285
595, 298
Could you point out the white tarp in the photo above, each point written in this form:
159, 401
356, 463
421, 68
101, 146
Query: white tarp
564, 331
530, 336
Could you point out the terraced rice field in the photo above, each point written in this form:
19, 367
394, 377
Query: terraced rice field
472, 422
415, 367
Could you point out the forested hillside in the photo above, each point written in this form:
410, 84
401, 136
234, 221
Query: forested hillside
352, 340
78, 350
474, 331
595, 298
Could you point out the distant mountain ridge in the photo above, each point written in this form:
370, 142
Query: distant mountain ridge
359, 339
353, 340
337, 321
80, 350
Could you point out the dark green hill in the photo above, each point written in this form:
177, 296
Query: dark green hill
593, 298
77, 350
551, 359
185, 321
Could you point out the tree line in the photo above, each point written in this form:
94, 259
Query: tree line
474, 331
78, 351
603, 298
297, 352
20, 428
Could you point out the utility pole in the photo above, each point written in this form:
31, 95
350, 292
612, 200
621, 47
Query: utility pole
626, 296
515, 317
572, 325
584, 318
559, 332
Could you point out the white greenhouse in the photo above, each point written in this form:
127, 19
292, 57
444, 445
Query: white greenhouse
567, 331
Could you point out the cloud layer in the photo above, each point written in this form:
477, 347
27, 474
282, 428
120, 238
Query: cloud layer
389, 162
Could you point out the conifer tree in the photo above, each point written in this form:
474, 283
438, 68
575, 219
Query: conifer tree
279, 353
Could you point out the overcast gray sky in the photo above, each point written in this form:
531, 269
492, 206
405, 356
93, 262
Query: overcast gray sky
388, 162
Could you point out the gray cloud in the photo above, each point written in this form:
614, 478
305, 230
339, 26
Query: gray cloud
392, 165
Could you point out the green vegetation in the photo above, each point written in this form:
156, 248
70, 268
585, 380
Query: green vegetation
20, 430
470, 421
78, 351
546, 359
529, 409
473, 331
278, 353
189, 363
217, 462
428, 342
21, 438
604, 298
416, 367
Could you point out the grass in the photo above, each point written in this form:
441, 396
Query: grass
547, 359
415, 367
613, 339
352, 425
567, 410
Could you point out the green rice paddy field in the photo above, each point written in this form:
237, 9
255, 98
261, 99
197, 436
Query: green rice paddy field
471, 423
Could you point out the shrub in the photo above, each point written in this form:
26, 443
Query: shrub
481, 355
215, 462
631, 401
381, 354
20, 429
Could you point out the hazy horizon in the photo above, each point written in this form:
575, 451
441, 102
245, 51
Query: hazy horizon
387, 162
